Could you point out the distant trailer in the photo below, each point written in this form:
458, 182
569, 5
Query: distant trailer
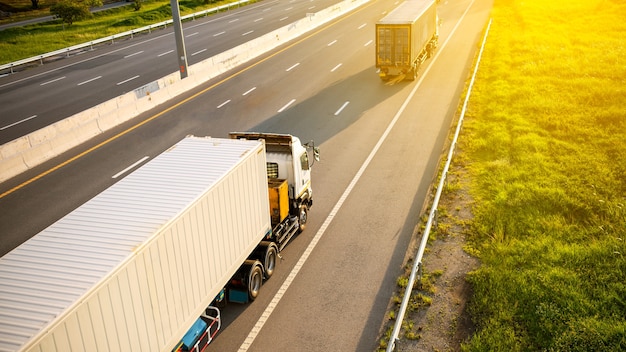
405, 38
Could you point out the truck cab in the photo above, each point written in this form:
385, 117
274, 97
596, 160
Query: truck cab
288, 159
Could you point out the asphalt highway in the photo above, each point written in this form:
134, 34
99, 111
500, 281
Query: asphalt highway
380, 148
36, 97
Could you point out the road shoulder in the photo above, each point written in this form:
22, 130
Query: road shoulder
437, 318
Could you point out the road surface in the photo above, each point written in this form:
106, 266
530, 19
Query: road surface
380, 148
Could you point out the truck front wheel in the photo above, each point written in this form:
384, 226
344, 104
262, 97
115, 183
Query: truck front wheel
303, 217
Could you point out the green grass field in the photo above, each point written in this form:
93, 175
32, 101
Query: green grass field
545, 144
24, 42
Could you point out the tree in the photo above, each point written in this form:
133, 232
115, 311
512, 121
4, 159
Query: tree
70, 11
35, 4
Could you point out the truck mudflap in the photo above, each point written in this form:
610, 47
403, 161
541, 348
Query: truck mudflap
202, 332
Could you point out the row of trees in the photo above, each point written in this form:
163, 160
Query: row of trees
70, 11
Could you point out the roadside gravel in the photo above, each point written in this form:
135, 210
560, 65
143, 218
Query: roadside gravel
437, 318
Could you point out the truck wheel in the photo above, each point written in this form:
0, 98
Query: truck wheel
412, 74
255, 280
269, 263
303, 217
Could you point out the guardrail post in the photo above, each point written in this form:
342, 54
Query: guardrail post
41, 60
420, 272
393, 344
67, 53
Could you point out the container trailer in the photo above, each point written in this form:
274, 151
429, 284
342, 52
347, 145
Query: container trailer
140, 266
405, 38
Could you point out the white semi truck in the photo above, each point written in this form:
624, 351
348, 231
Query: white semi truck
139, 266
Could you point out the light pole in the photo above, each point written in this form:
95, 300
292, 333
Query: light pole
180, 41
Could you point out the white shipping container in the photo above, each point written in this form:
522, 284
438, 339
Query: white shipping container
134, 267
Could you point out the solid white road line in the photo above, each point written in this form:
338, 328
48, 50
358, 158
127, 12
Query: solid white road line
17, 123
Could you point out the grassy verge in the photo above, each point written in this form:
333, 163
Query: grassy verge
23, 42
545, 145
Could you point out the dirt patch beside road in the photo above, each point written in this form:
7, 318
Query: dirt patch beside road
437, 317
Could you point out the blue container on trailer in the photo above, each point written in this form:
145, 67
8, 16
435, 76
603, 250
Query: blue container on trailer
193, 334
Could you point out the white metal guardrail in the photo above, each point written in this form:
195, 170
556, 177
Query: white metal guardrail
417, 263
66, 51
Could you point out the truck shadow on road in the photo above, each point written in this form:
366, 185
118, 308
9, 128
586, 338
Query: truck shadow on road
318, 117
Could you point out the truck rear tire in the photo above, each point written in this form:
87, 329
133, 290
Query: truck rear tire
255, 281
266, 253
269, 263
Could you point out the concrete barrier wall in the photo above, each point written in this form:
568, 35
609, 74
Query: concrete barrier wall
26, 152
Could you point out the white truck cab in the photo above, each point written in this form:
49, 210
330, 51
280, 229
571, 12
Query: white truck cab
287, 158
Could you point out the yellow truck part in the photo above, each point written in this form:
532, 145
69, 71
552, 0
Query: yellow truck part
279, 200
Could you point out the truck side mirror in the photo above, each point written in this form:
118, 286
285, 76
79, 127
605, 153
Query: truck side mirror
316, 150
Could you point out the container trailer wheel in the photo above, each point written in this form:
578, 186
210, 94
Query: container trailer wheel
269, 262
266, 253
255, 280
